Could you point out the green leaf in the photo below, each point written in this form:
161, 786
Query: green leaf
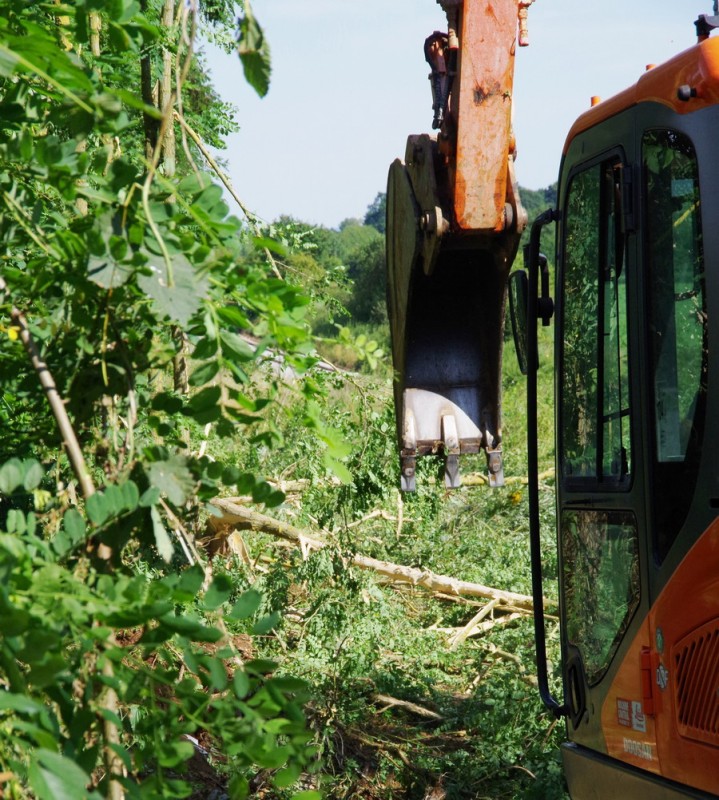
216, 674
246, 606
235, 348
150, 497
204, 399
239, 788
337, 468
114, 499
232, 315
167, 402
130, 495
162, 539
265, 242
55, 777
218, 592
241, 682
190, 582
287, 683
254, 53
181, 300
74, 525
193, 627
287, 776
20, 703
108, 273
308, 794
204, 373
98, 508
172, 478
210, 198
260, 666
34, 474
11, 476
134, 101
8, 62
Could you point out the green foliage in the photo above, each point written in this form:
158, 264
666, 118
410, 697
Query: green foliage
111, 646
69, 635
376, 214
535, 201
120, 638
367, 269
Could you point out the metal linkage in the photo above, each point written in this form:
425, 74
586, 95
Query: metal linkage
706, 24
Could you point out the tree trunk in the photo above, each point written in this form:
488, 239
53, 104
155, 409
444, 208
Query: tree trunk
169, 148
150, 124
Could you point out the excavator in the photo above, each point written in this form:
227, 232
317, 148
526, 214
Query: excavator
635, 293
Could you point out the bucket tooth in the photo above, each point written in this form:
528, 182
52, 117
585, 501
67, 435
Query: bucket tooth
495, 468
452, 479
408, 481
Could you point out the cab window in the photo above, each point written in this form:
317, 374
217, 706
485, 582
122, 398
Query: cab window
600, 564
677, 321
594, 390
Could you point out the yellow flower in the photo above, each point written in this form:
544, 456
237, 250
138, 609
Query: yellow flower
13, 332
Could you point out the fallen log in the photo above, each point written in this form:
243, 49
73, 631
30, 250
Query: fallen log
234, 515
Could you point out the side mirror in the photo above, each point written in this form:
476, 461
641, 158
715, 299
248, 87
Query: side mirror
518, 300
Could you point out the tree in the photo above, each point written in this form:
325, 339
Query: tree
376, 214
367, 270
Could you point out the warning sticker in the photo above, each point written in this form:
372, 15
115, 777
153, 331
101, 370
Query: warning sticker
639, 721
624, 714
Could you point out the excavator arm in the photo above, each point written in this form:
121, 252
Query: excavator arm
454, 220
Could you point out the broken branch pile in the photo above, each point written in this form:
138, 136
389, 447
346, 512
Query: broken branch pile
233, 515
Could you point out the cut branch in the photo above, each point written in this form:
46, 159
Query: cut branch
237, 516
421, 711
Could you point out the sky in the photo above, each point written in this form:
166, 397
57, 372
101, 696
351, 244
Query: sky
349, 84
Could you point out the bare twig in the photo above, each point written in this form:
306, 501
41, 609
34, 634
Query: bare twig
182, 535
482, 627
463, 633
227, 184
72, 446
421, 711
400, 514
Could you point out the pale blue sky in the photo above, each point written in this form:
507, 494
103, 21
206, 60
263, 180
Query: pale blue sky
349, 84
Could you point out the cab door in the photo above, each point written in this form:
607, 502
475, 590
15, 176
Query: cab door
600, 504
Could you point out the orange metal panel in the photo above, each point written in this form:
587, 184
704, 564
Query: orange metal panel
676, 648
687, 753
629, 729
483, 113
697, 68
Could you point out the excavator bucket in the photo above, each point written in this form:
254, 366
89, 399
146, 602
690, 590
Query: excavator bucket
447, 331
454, 220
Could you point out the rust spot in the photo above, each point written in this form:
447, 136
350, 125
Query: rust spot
481, 93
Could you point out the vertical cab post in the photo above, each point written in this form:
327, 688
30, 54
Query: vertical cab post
538, 307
